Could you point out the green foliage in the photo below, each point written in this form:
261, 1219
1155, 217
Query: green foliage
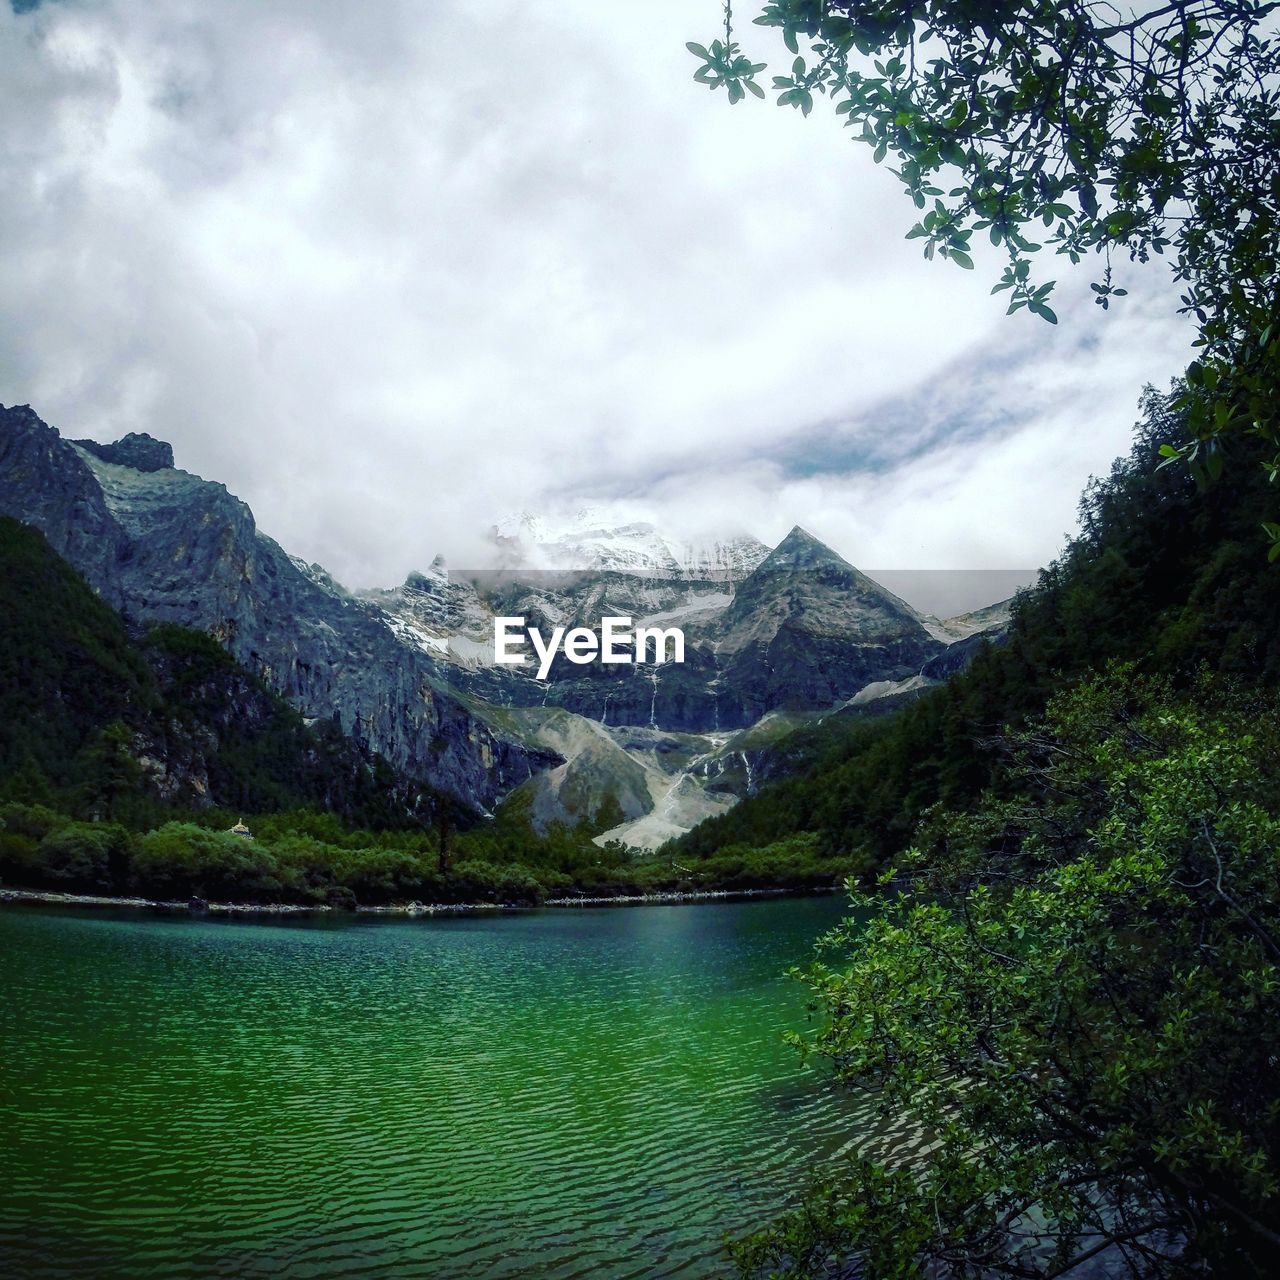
793, 862
108, 770
33, 820
87, 857
483, 882
27, 785
1078, 128
41, 848
67, 667
165, 735
308, 858
1076, 988
181, 859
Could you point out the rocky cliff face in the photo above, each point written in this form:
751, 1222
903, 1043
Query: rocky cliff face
137, 450
47, 483
115, 718
163, 545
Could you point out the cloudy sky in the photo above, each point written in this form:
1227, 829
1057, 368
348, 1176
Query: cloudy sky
394, 271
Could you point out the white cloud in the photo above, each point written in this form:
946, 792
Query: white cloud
389, 273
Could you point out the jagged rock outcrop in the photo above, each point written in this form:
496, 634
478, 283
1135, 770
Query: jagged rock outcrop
47, 483
138, 450
161, 544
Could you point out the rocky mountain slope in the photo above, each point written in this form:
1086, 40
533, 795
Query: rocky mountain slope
773, 642
162, 545
802, 630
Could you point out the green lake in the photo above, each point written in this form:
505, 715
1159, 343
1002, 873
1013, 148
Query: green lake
599, 1092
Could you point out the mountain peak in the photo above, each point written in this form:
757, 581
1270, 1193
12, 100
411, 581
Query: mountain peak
801, 550
436, 574
800, 535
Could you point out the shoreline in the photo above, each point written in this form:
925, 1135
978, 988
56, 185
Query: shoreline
57, 898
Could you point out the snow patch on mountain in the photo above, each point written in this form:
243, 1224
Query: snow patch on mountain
963, 625
887, 688
699, 606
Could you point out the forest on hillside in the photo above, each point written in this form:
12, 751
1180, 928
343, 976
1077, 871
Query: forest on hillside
1164, 576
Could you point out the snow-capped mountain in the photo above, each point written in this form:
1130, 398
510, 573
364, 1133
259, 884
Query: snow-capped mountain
773, 638
570, 577
591, 544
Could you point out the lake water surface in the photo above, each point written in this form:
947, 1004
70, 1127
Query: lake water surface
558, 1093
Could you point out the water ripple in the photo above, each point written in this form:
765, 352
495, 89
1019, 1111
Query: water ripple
573, 1094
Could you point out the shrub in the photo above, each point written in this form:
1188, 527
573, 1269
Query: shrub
85, 856
181, 859
32, 820
19, 858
